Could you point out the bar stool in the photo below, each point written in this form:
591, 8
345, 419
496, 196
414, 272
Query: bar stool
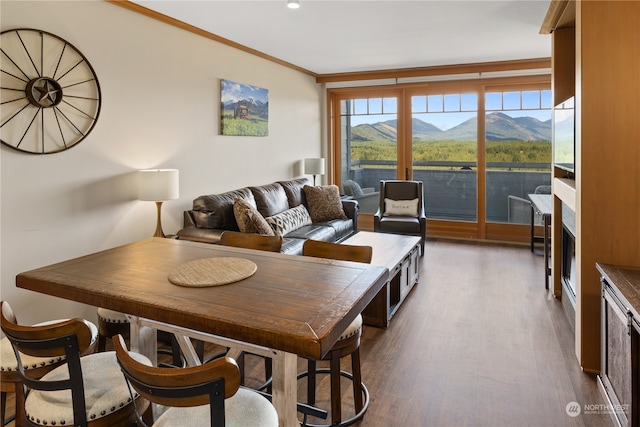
85, 390
10, 380
209, 394
347, 345
112, 323
259, 242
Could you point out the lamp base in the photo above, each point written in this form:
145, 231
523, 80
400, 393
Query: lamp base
159, 232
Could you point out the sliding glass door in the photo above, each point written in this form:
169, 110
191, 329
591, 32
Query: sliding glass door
479, 148
444, 154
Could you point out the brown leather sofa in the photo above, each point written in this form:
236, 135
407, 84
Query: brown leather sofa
213, 214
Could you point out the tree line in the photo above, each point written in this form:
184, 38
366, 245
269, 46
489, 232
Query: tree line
462, 151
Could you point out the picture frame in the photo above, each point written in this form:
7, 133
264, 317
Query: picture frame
244, 109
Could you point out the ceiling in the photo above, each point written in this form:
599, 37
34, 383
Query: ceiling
340, 36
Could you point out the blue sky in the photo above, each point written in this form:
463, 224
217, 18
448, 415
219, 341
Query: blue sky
447, 111
234, 91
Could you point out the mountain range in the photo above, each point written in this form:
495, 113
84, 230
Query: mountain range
256, 108
499, 127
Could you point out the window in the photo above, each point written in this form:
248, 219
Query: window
369, 146
518, 152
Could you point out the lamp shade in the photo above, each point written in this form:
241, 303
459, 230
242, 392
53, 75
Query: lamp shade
157, 185
314, 166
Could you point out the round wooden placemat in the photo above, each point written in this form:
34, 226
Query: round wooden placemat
212, 272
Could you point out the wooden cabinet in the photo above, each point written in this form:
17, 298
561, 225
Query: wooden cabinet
620, 328
402, 283
615, 373
606, 189
402, 278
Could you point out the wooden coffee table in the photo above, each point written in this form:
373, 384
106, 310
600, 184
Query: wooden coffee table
401, 255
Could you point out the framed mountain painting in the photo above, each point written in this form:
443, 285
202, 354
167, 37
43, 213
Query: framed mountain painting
244, 109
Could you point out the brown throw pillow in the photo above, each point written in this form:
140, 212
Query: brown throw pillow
249, 219
324, 203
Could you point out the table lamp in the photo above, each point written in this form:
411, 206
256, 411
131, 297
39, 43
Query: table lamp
314, 167
158, 185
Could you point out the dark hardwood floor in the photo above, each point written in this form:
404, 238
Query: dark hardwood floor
478, 342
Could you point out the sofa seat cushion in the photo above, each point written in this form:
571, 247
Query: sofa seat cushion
315, 232
324, 203
216, 210
249, 219
292, 245
270, 199
289, 220
342, 227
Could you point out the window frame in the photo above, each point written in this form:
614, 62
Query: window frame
481, 229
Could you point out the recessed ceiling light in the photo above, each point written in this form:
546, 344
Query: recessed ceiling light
293, 4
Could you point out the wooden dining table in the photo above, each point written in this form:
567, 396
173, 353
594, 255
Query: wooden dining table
290, 306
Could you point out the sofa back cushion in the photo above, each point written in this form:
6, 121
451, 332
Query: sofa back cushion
216, 210
294, 189
270, 199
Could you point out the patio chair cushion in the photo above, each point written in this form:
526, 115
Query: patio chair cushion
352, 188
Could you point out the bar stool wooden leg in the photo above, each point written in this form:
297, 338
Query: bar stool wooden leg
357, 379
336, 395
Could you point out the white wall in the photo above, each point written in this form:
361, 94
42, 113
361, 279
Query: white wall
160, 108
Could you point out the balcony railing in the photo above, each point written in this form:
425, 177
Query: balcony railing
451, 188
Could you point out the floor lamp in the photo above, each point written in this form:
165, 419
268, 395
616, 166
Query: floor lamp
314, 167
158, 185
